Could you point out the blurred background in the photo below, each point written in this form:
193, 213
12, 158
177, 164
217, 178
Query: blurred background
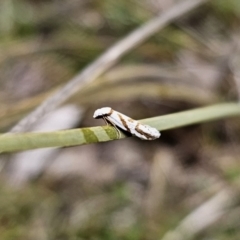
181, 186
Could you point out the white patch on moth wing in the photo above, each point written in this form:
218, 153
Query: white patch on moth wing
146, 132
105, 111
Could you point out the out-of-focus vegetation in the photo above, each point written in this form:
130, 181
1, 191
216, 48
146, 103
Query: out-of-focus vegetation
127, 189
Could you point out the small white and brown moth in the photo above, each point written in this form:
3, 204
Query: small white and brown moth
124, 122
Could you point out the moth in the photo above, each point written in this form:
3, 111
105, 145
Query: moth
119, 120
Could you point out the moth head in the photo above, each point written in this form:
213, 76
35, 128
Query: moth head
101, 112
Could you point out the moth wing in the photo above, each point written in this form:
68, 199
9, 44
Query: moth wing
146, 132
122, 121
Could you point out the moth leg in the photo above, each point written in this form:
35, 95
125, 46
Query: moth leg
107, 121
118, 132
